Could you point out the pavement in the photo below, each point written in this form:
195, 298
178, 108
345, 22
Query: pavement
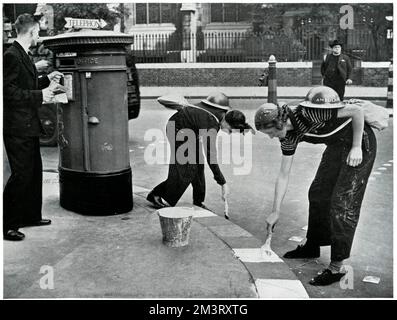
123, 256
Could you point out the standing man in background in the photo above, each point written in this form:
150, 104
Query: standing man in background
24, 92
336, 69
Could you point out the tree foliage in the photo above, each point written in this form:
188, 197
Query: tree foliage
84, 11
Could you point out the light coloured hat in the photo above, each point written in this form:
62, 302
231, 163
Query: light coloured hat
218, 100
322, 97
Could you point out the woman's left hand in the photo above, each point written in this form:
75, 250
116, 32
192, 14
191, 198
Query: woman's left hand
355, 157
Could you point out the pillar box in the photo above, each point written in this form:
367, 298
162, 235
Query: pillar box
94, 169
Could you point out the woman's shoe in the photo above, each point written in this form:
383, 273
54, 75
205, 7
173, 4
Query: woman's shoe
326, 278
155, 200
303, 252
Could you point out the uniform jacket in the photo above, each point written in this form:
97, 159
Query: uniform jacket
22, 94
344, 66
203, 118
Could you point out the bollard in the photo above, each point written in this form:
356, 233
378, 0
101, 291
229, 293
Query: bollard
389, 103
272, 82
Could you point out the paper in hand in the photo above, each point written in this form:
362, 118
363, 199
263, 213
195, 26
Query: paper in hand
61, 98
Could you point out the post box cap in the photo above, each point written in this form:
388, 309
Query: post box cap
88, 37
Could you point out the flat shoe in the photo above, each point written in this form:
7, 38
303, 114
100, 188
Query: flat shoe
303, 252
14, 235
155, 200
326, 278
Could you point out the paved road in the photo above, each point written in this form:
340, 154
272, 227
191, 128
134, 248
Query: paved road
252, 196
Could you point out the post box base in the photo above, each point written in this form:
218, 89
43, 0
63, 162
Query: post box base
96, 194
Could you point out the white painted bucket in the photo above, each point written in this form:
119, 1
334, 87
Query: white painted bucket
175, 225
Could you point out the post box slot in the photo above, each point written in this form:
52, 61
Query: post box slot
66, 63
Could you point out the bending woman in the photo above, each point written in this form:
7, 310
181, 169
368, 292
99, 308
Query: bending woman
185, 131
338, 188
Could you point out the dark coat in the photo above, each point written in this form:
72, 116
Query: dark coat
344, 66
22, 94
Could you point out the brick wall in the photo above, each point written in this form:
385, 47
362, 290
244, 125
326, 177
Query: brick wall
178, 76
375, 77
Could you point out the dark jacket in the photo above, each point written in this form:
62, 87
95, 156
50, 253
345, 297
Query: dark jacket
197, 119
22, 94
344, 66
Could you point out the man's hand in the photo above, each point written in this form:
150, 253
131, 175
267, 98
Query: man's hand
225, 192
355, 157
271, 220
48, 95
56, 87
42, 65
349, 81
55, 76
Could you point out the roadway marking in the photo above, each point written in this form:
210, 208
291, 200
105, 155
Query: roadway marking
277, 288
138, 189
381, 168
387, 165
256, 255
202, 213
376, 172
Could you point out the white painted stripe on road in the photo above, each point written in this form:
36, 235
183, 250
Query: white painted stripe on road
280, 289
382, 169
376, 172
390, 160
387, 165
140, 189
256, 255
202, 213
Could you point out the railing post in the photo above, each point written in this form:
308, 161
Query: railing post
272, 83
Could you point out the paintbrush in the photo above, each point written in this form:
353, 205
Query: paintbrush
226, 210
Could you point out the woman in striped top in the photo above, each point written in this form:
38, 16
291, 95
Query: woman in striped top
337, 191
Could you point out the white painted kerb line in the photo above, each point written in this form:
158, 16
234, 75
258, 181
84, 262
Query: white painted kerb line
202, 213
255, 255
279, 289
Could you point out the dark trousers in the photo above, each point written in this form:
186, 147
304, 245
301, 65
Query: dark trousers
338, 85
22, 196
336, 195
181, 175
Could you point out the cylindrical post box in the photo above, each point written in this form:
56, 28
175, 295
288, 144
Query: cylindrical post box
94, 169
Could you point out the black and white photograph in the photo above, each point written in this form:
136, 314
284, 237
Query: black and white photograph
179, 150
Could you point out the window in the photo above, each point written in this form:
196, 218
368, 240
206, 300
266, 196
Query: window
229, 12
155, 12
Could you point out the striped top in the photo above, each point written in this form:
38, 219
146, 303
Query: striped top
305, 120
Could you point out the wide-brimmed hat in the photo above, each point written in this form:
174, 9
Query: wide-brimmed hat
335, 43
322, 97
218, 100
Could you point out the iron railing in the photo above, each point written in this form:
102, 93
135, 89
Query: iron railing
303, 44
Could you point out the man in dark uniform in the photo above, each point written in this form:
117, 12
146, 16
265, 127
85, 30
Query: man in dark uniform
22, 97
336, 69
185, 130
